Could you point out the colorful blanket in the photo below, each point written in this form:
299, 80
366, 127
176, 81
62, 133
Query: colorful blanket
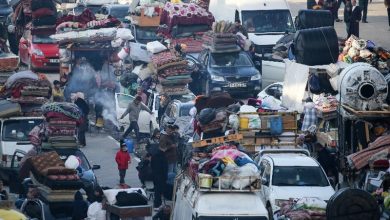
68, 109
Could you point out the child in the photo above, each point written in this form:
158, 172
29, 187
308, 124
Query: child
123, 160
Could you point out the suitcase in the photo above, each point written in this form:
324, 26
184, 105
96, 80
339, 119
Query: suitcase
8, 109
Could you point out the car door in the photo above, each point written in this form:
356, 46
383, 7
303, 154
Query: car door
15, 185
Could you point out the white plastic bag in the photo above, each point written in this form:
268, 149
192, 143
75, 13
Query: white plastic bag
155, 47
254, 122
124, 34
227, 177
234, 121
72, 162
246, 171
96, 212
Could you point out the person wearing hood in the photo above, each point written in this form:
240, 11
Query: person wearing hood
80, 207
159, 166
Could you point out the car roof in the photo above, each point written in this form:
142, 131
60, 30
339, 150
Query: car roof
292, 159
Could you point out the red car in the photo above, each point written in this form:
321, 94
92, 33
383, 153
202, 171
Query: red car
39, 52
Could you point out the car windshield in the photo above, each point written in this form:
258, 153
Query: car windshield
119, 12
267, 21
299, 176
124, 100
185, 110
229, 60
148, 34
18, 130
36, 39
188, 30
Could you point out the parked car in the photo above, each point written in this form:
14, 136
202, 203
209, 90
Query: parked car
146, 122
234, 73
175, 110
291, 175
39, 52
142, 36
116, 10
274, 89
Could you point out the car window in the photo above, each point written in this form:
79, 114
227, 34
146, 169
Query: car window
299, 176
262, 167
39, 39
18, 130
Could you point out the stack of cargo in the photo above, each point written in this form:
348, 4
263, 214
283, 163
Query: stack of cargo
62, 119
148, 14
172, 74
221, 38
43, 17
28, 90
53, 179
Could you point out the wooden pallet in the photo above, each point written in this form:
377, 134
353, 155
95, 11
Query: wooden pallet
377, 113
217, 140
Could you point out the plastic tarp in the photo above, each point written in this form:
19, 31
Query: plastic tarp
294, 85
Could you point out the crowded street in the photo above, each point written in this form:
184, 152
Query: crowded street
194, 109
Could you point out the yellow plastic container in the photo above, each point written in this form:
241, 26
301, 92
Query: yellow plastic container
244, 123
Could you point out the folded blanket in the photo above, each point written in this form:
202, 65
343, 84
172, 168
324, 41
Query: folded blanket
68, 109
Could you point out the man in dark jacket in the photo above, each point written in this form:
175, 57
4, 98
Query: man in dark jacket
352, 17
159, 166
169, 145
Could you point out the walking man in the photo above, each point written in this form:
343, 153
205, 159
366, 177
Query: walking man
133, 110
363, 4
123, 160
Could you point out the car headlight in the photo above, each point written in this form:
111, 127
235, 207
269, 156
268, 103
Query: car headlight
217, 78
37, 52
256, 77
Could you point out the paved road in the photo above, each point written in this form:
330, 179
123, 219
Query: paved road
377, 28
101, 150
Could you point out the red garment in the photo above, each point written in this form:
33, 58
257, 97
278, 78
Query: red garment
122, 158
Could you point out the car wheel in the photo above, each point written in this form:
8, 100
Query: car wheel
270, 213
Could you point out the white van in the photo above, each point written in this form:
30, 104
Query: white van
14, 136
266, 22
190, 203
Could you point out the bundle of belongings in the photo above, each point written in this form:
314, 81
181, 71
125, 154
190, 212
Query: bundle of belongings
171, 72
210, 119
55, 179
44, 17
8, 61
148, 14
221, 38
377, 150
126, 197
281, 50
184, 14
59, 128
223, 167
29, 90
303, 209
326, 106
360, 50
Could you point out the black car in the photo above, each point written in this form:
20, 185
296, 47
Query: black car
234, 73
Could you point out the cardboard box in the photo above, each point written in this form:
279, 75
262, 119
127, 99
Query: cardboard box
247, 134
248, 140
289, 122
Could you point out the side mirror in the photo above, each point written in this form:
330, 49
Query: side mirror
264, 181
95, 167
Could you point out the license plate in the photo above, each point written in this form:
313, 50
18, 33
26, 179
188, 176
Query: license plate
237, 85
54, 60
